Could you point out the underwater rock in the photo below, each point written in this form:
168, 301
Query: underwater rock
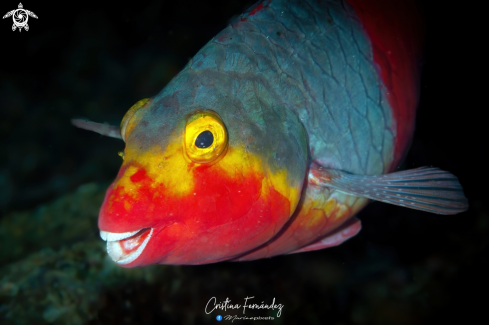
63, 286
62, 282
66, 220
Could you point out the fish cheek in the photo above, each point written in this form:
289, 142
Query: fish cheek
197, 243
246, 212
227, 214
205, 221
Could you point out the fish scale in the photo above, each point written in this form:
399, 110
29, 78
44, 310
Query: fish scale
305, 108
328, 104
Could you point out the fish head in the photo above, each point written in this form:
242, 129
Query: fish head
202, 180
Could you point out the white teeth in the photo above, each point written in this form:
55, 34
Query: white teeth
115, 252
113, 236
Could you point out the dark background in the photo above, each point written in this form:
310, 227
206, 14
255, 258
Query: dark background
95, 60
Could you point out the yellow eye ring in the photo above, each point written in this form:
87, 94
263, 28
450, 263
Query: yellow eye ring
205, 138
127, 127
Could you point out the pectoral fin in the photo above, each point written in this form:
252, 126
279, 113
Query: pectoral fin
427, 188
103, 129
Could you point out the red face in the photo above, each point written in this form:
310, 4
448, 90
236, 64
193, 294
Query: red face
164, 207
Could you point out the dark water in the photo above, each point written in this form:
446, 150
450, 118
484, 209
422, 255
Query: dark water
95, 61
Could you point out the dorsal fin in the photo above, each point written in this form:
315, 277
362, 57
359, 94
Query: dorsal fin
103, 129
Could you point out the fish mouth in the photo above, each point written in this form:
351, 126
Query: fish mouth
124, 248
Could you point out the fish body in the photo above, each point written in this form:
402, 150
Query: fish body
273, 137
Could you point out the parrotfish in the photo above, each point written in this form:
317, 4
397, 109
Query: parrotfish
273, 136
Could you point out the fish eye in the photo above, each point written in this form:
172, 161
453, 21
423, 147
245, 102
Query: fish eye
126, 126
205, 138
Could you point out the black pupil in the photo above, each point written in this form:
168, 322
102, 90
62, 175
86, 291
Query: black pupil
204, 140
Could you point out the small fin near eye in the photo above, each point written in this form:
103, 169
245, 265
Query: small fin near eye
427, 188
349, 229
104, 129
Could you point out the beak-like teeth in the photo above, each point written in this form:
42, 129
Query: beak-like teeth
115, 252
113, 236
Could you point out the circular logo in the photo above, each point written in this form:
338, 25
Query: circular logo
219, 318
20, 18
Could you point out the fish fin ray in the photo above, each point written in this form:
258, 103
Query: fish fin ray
427, 188
103, 129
